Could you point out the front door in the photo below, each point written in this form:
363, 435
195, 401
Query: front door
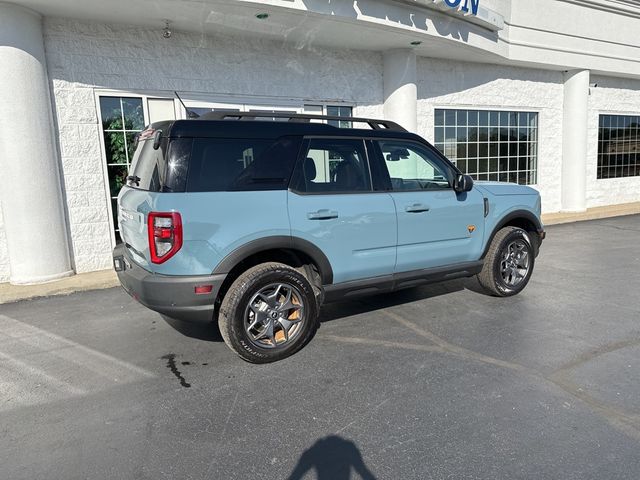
332, 205
436, 225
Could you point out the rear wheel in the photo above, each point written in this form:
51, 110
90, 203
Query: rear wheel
509, 263
269, 313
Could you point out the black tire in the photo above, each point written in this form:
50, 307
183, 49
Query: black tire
236, 314
491, 277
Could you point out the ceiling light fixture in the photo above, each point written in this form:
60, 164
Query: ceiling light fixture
166, 32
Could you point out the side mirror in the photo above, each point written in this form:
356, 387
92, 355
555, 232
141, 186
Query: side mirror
463, 183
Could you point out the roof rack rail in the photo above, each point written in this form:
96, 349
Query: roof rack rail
301, 117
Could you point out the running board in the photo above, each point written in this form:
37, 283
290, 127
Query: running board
399, 281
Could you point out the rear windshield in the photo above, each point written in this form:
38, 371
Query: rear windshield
241, 164
163, 169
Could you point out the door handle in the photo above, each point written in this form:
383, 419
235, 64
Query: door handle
416, 208
323, 214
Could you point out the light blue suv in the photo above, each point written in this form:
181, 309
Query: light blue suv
258, 223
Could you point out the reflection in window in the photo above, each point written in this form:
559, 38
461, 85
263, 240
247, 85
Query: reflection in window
412, 167
122, 118
490, 145
619, 146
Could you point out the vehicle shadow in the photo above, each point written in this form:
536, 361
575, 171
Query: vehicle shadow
201, 331
334, 311
365, 304
332, 458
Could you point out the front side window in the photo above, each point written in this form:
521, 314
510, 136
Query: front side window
619, 146
414, 167
490, 145
334, 166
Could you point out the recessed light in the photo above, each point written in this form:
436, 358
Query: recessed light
416, 43
262, 16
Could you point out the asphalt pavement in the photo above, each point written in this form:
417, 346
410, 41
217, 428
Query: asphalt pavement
435, 382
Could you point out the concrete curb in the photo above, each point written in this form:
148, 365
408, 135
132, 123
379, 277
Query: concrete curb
592, 213
76, 283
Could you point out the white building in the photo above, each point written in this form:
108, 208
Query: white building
545, 92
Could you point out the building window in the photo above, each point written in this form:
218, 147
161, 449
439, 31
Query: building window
339, 111
490, 145
122, 118
619, 146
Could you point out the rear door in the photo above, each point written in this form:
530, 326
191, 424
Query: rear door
332, 205
436, 225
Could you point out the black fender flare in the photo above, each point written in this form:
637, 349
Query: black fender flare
273, 243
516, 214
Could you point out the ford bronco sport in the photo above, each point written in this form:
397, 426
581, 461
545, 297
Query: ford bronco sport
258, 223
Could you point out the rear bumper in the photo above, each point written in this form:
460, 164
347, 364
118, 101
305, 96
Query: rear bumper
171, 295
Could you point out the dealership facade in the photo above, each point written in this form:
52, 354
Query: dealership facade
545, 93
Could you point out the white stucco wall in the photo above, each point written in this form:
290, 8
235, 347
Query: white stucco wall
469, 85
4, 253
85, 56
611, 96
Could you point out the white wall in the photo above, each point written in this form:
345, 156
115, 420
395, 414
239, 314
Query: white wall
611, 96
469, 85
4, 253
84, 56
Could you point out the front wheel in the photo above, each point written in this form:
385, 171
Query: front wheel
269, 313
509, 263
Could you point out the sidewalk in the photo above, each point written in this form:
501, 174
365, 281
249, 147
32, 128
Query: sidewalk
107, 278
76, 283
592, 213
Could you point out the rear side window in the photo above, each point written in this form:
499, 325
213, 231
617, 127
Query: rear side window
333, 166
241, 164
163, 169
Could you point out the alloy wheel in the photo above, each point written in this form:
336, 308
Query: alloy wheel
274, 316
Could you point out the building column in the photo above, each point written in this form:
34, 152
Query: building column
30, 188
400, 90
574, 141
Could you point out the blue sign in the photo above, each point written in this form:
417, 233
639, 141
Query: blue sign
465, 6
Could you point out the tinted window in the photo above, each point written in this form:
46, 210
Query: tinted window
619, 146
414, 167
241, 164
334, 166
148, 165
163, 169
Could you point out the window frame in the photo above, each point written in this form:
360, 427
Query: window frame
600, 167
302, 155
494, 109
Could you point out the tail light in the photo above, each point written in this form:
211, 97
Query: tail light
165, 235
